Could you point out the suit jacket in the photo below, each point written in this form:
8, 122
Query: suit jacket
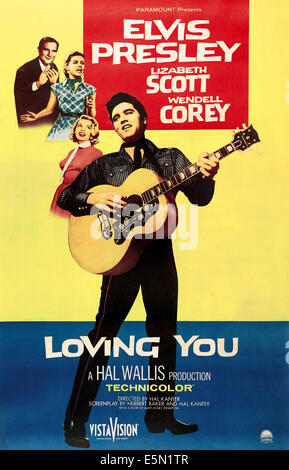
28, 100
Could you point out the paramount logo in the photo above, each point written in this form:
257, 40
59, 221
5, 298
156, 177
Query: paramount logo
113, 430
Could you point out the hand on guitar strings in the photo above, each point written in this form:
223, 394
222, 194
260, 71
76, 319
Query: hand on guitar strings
107, 201
209, 166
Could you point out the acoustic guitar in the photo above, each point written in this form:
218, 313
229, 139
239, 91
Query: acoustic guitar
111, 242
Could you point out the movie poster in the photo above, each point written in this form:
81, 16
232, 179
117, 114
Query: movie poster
212, 77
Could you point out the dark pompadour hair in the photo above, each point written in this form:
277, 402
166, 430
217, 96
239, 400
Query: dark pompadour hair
125, 98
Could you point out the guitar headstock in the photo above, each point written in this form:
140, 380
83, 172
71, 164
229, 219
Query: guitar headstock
245, 138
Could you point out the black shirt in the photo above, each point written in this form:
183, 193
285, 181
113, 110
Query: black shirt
114, 168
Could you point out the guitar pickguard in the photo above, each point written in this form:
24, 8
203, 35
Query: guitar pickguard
104, 221
131, 217
121, 222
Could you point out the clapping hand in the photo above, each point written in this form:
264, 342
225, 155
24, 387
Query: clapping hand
48, 73
52, 75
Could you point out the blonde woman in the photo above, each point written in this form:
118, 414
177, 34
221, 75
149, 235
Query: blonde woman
85, 132
73, 98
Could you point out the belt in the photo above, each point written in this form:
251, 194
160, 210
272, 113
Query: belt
72, 114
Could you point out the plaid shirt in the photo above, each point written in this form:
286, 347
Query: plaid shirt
115, 167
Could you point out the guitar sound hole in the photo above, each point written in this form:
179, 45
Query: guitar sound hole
134, 199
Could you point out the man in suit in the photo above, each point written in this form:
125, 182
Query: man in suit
33, 81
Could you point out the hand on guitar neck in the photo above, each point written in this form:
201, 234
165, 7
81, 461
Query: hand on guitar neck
208, 166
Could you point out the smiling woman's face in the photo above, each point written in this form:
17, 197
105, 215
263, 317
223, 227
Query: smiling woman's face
127, 122
83, 130
75, 67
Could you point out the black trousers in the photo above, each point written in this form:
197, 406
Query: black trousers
155, 273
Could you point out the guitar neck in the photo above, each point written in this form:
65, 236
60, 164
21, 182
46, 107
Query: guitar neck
187, 173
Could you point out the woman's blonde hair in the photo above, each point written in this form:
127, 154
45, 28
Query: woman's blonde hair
94, 130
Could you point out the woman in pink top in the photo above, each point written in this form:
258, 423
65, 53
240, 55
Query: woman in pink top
85, 132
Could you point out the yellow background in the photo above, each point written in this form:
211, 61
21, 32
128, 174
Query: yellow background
239, 270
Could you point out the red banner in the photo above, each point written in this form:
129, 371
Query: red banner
187, 64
